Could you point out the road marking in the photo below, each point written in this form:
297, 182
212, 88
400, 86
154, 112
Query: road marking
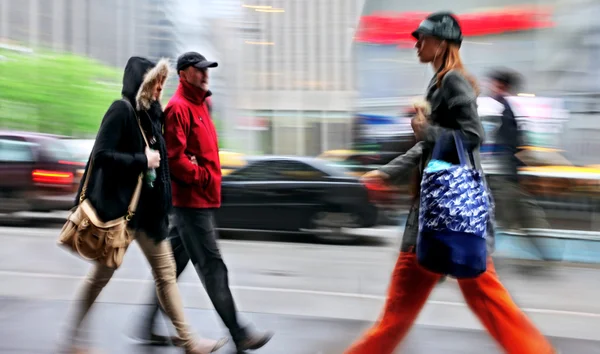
45, 234
297, 291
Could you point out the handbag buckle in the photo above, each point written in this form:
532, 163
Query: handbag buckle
82, 195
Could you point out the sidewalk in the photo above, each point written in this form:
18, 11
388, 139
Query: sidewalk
33, 327
572, 246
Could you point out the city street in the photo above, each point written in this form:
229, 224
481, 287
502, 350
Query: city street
317, 298
268, 114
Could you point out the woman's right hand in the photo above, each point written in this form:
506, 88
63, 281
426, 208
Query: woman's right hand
375, 176
153, 158
419, 122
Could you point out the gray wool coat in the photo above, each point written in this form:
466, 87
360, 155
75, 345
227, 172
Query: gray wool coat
453, 108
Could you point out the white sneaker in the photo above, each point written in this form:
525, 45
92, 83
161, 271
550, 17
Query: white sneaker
207, 346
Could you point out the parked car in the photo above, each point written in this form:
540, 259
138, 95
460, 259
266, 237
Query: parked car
393, 200
38, 173
82, 148
295, 194
230, 161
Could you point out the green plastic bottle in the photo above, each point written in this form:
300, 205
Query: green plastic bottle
151, 176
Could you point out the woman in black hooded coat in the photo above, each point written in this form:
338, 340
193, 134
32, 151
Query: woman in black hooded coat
119, 156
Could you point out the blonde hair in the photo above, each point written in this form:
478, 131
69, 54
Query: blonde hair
453, 61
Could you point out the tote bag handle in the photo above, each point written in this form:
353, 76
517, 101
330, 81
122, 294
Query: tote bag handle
460, 149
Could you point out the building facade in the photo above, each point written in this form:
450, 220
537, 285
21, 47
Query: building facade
295, 74
107, 30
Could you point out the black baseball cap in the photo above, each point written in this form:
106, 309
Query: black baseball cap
194, 59
442, 25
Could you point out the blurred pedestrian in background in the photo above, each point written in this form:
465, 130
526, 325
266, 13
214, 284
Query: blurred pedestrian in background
119, 156
452, 95
195, 167
516, 211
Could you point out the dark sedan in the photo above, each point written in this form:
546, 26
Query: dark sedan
295, 194
38, 173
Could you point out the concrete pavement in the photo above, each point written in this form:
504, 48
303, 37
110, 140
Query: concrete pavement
34, 327
294, 281
569, 245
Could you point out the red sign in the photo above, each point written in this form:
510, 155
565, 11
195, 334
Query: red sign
390, 28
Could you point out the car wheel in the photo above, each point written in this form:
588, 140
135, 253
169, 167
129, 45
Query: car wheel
330, 227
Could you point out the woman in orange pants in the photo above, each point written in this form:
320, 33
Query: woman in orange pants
452, 95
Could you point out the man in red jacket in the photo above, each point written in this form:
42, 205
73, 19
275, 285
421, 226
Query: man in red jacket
193, 153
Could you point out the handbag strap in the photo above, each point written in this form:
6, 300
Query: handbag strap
460, 149
138, 188
135, 198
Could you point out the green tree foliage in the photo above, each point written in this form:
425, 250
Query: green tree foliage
55, 93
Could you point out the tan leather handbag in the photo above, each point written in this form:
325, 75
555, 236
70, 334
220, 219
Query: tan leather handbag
103, 242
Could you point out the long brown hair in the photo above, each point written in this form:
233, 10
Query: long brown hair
453, 61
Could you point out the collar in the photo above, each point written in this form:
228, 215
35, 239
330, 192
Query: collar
192, 93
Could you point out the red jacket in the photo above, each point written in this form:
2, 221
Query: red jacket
189, 131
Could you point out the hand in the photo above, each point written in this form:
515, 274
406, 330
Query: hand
153, 158
375, 176
418, 123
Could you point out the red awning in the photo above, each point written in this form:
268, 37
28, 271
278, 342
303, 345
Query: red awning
396, 28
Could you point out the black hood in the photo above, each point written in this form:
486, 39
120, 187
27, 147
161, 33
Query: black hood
133, 77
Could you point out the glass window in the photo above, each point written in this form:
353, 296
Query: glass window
297, 171
15, 151
260, 171
279, 171
79, 148
56, 150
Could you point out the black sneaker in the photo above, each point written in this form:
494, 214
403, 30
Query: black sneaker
254, 341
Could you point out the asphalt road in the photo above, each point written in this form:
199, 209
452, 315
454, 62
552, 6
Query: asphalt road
317, 297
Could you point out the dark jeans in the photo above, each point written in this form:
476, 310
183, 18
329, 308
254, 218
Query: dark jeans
193, 237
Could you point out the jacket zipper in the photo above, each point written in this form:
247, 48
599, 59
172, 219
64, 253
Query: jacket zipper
210, 131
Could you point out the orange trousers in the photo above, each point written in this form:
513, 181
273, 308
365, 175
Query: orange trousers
487, 298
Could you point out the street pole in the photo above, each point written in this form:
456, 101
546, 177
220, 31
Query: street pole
88, 27
4, 9
119, 32
33, 23
58, 25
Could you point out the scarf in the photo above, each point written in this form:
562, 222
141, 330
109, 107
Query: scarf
159, 202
